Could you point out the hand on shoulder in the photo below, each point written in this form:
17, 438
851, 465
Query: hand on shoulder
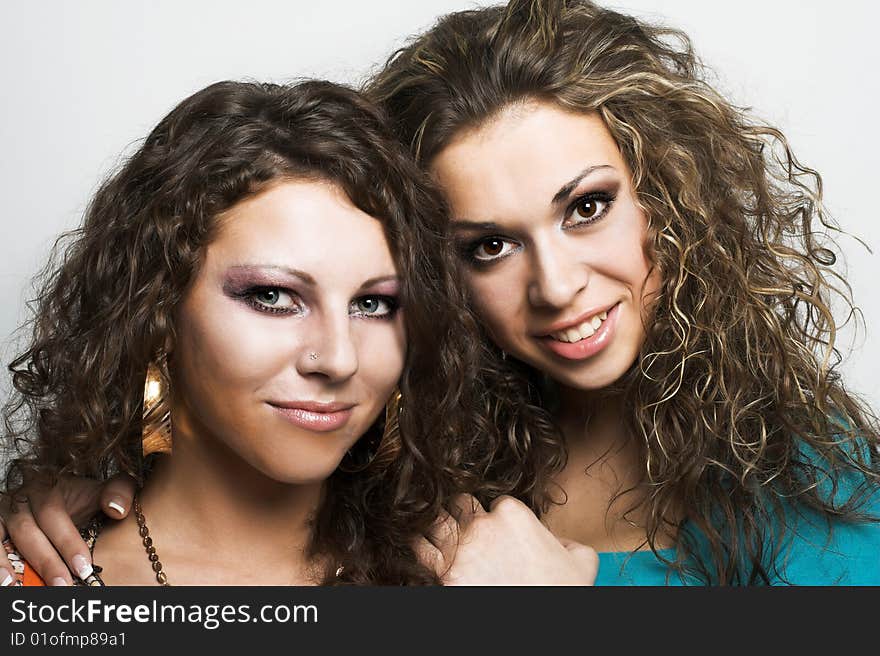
506, 545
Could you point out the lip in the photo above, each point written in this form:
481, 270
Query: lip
315, 416
588, 347
571, 323
313, 406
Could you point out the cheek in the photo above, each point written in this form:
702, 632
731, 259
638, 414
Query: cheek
382, 352
227, 353
622, 254
495, 299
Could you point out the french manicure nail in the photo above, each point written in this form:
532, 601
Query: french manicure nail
117, 507
7, 577
82, 566
59, 581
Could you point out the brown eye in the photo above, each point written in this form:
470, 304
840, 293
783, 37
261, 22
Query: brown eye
493, 247
587, 208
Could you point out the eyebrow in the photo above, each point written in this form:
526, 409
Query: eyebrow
461, 224
481, 226
572, 184
378, 280
271, 268
302, 275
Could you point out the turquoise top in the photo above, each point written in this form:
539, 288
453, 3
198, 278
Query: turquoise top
848, 555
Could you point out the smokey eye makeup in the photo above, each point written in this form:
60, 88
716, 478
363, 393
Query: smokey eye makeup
585, 209
483, 251
272, 292
268, 299
375, 306
588, 208
277, 300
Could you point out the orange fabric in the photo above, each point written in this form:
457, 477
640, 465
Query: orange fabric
24, 574
30, 577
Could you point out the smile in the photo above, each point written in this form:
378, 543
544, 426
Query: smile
317, 417
585, 338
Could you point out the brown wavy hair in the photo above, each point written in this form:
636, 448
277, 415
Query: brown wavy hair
107, 307
737, 405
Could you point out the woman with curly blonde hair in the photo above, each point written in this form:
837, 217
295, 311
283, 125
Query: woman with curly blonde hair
654, 263
651, 266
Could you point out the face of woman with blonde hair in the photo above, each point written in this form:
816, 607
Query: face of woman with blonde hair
553, 241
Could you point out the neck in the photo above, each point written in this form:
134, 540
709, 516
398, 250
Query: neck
211, 495
601, 503
216, 520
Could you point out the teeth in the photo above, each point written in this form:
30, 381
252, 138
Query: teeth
586, 329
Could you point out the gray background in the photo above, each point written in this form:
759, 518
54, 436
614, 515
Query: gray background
83, 81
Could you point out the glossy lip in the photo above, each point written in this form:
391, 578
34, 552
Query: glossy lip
585, 348
315, 416
565, 324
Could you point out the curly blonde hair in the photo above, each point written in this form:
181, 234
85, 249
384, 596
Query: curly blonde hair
737, 404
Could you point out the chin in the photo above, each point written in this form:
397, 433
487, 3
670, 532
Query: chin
301, 467
301, 474
591, 376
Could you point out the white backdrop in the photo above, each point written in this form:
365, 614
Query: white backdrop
83, 81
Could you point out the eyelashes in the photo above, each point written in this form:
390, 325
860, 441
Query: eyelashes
375, 306
284, 302
272, 300
584, 210
588, 208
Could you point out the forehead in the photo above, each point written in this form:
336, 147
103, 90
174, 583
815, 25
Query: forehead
308, 225
530, 149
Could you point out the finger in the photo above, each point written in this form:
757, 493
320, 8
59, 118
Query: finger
465, 508
508, 505
430, 556
51, 515
117, 496
7, 573
443, 536
586, 557
34, 547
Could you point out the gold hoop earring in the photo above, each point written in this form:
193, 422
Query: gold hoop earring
392, 418
378, 449
156, 434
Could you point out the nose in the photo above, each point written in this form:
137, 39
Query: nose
330, 351
559, 273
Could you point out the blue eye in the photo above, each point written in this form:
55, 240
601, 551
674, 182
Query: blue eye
374, 306
272, 300
268, 297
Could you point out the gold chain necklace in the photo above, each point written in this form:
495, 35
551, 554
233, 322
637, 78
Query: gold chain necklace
155, 563
144, 532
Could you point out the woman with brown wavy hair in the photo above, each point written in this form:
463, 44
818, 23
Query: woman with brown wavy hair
650, 259
271, 263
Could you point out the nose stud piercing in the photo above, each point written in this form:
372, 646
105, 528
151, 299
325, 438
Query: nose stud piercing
313, 356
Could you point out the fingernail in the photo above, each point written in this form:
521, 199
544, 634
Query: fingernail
82, 566
7, 577
117, 507
59, 581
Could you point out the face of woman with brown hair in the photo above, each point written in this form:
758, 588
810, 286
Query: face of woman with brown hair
554, 243
289, 341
